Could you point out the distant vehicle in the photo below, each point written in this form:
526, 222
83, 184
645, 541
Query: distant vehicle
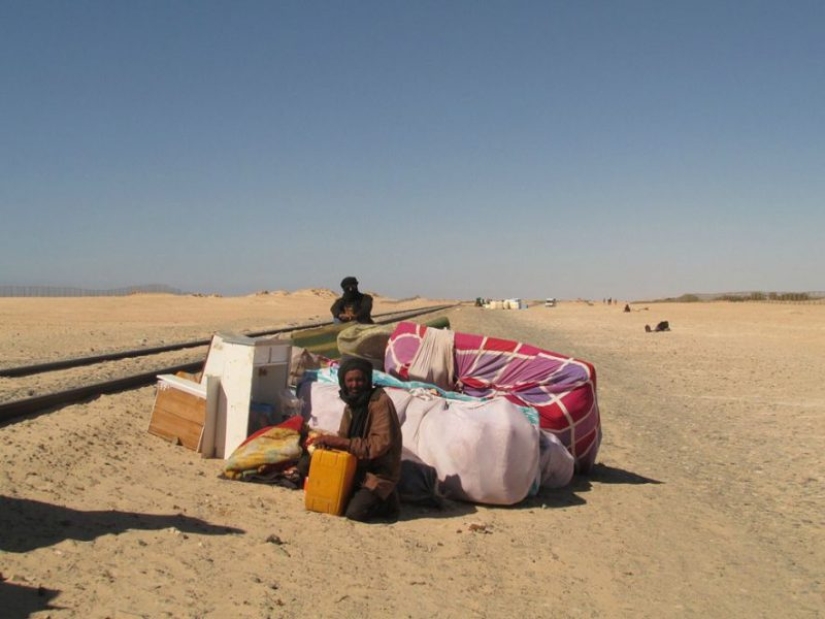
550, 302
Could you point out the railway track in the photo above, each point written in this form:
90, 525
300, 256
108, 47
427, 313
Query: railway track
49, 386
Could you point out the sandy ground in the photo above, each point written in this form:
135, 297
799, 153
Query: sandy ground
707, 500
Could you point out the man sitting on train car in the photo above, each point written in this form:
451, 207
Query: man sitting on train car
353, 305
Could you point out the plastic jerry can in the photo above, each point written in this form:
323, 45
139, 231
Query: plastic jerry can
329, 483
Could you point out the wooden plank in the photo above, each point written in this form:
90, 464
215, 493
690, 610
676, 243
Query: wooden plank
185, 406
178, 415
206, 446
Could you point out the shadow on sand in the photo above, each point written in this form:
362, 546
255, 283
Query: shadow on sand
27, 524
604, 474
569, 495
19, 601
449, 509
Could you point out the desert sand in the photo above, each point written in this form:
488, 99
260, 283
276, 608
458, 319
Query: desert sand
707, 499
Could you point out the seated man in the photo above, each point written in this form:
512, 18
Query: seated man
352, 306
371, 431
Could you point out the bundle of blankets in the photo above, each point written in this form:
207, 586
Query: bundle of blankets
489, 420
497, 420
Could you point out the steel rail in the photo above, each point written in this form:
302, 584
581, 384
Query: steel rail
64, 364
44, 403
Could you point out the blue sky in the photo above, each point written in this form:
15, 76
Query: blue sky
631, 149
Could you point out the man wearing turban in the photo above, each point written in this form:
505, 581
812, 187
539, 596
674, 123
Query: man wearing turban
353, 305
371, 431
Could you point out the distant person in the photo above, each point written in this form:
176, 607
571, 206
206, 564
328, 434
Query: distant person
662, 326
353, 305
627, 308
371, 431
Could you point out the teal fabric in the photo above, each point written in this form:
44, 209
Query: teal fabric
382, 379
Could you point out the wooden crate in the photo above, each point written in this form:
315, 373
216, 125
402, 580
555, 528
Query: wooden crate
180, 411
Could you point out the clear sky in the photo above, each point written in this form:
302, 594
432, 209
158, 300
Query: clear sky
626, 149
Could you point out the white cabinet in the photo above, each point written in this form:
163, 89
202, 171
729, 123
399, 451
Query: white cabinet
249, 370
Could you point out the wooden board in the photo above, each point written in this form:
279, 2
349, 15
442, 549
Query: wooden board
180, 411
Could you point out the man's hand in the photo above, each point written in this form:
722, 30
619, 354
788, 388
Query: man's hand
332, 442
